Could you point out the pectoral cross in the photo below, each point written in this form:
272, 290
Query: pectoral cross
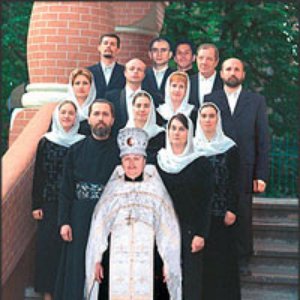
129, 219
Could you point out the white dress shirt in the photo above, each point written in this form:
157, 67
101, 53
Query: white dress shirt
107, 71
233, 98
159, 75
205, 86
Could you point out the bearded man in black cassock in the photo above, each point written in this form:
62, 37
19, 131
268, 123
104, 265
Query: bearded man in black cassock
88, 166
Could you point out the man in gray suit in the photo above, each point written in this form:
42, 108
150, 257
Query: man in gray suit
244, 119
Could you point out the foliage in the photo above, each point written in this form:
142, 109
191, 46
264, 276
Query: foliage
264, 34
14, 28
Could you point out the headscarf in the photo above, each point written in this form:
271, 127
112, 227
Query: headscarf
84, 109
218, 144
150, 126
166, 110
172, 163
58, 135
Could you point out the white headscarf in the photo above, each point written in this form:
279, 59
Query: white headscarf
218, 144
84, 109
58, 135
150, 126
166, 110
172, 163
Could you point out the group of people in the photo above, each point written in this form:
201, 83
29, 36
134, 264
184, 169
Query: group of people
143, 183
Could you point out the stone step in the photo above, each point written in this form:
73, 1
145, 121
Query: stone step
277, 210
260, 292
278, 231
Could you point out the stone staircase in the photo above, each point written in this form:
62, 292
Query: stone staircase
275, 263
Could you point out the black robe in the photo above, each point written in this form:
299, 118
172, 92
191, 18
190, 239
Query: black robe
87, 169
154, 145
220, 263
46, 184
191, 190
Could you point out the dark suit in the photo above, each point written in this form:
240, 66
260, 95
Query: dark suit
149, 84
194, 93
118, 98
248, 127
117, 79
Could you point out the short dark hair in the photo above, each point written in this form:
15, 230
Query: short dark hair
111, 105
160, 39
112, 35
181, 118
184, 42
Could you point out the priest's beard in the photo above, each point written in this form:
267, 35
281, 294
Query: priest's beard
101, 132
233, 82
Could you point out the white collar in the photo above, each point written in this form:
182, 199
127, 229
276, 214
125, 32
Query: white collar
209, 79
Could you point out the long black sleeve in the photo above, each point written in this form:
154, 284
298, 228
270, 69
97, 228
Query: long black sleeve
38, 177
66, 195
233, 162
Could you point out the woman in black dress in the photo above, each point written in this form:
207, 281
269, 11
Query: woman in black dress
51, 151
221, 276
82, 91
144, 116
177, 92
188, 178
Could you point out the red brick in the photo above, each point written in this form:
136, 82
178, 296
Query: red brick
58, 39
56, 24
60, 55
69, 16
58, 8
68, 31
79, 25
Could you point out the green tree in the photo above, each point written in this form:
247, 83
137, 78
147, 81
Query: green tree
264, 34
15, 19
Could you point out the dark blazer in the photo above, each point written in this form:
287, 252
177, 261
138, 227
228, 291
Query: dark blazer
117, 80
248, 127
149, 85
118, 98
194, 93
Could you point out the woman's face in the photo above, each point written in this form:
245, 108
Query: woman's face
208, 120
67, 116
177, 134
141, 108
81, 87
177, 90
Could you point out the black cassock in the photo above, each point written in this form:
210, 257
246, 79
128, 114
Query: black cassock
88, 166
191, 190
46, 183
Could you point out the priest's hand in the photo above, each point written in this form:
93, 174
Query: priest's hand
259, 186
66, 233
38, 214
230, 218
164, 274
99, 275
197, 243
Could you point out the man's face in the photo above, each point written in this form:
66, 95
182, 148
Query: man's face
207, 62
160, 54
101, 120
108, 47
184, 57
135, 71
133, 165
232, 72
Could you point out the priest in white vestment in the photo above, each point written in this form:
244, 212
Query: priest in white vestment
136, 210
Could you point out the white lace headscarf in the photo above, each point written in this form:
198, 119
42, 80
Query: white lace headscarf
150, 126
84, 109
58, 135
166, 110
172, 163
219, 143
